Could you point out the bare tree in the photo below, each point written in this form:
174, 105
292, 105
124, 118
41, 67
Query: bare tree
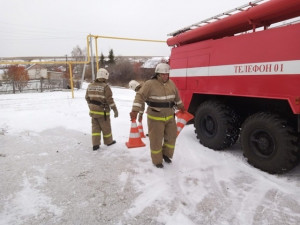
121, 72
19, 75
78, 53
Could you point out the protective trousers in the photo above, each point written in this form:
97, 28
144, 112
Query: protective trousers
162, 136
101, 125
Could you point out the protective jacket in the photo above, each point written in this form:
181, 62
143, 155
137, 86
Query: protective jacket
99, 98
161, 99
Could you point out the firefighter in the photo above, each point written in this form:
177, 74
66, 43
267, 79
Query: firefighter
100, 102
161, 96
136, 86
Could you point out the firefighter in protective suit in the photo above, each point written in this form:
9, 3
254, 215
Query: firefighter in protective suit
161, 96
136, 86
100, 102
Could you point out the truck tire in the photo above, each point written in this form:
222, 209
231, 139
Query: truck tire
216, 125
269, 143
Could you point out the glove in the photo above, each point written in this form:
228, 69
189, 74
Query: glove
182, 109
140, 117
116, 113
133, 115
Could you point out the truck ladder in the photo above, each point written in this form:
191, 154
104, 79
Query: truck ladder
218, 17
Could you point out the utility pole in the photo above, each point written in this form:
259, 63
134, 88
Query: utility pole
66, 73
92, 59
83, 72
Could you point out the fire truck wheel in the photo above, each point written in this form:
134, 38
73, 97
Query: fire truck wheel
216, 125
269, 143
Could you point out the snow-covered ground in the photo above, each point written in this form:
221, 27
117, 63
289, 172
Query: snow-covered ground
50, 175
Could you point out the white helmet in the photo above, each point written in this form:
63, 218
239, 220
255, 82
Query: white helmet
102, 73
162, 68
133, 84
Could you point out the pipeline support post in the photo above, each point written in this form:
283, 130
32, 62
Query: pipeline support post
71, 79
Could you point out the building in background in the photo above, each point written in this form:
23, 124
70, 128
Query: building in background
37, 71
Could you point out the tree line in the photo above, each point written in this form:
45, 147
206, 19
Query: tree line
121, 70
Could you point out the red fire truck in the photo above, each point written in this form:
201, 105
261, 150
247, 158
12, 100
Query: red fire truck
240, 77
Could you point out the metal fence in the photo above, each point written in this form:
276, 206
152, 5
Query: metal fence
41, 85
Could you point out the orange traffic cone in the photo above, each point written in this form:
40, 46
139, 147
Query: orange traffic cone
135, 140
141, 130
182, 119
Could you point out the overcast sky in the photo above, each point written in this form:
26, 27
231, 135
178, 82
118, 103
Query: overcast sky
55, 27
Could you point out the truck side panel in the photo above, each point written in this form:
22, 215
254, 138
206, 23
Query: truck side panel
263, 64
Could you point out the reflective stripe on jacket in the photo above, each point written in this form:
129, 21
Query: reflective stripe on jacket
155, 90
99, 91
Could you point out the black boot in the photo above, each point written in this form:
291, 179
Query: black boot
113, 142
159, 165
96, 147
167, 159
